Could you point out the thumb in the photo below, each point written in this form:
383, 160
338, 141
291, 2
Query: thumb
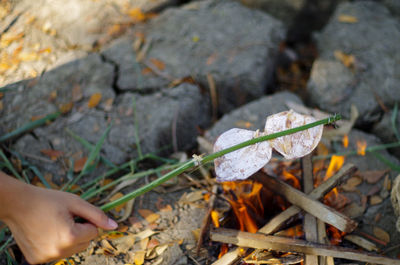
93, 214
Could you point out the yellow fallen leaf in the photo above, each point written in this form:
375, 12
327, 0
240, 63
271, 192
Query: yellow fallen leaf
28, 56
66, 107
94, 100
149, 215
65, 262
157, 63
76, 93
136, 14
347, 60
115, 197
139, 257
381, 234
375, 199
347, 19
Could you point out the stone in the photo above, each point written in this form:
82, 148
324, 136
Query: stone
238, 49
393, 6
384, 130
253, 115
372, 79
167, 120
46, 94
55, 32
286, 10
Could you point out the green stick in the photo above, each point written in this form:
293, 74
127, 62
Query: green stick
29, 126
193, 163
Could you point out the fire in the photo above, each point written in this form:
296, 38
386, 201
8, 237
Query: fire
335, 235
224, 249
361, 146
334, 166
293, 180
245, 198
345, 141
215, 218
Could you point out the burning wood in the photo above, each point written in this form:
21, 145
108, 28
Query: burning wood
275, 223
260, 241
310, 205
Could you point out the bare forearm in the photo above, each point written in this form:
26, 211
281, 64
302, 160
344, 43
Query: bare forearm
12, 192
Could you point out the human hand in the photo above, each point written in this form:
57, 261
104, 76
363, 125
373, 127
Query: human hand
42, 223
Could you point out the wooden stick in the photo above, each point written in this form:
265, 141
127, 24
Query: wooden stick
207, 218
260, 241
310, 222
275, 223
308, 204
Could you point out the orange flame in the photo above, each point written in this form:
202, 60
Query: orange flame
334, 166
293, 180
246, 197
345, 141
215, 218
361, 146
224, 249
335, 235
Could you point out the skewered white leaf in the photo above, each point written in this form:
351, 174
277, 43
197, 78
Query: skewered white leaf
293, 145
241, 163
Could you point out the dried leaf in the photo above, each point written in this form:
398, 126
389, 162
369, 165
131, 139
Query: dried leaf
136, 14
146, 71
108, 248
244, 162
1, 105
94, 100
76, 93
79, 163
294, 145
211, 59
158, 63
352, 183
373, 176
347, 60
347, 19
153, 243
381, 234
66, 107
52, 154
375, 199
139, 257
143, 243
191, 197
244, 124
115, 197
149, 215
108, 104
28, 56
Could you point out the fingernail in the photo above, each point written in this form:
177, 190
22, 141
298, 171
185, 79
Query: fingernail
112, 224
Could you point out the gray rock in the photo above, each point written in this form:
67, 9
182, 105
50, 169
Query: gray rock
236, 45
393, 6
44, 95
285, 10
253, 115
373, 41
384, 130
166, 120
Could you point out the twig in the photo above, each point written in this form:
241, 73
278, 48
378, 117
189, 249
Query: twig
206, 221
260, 241
310, 222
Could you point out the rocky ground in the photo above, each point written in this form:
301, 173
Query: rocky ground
165, 72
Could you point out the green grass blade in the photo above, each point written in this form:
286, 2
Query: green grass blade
9, 166
387, 161
33, 168
10, 260
90, 147
393, 120
94, 154
5, 244
29, 126
192, 163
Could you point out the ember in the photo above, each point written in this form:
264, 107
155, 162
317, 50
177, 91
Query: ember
361, 146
